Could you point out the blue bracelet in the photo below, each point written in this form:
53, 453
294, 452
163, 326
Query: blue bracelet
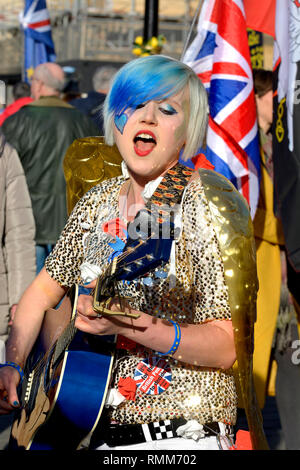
175, 345
15, 366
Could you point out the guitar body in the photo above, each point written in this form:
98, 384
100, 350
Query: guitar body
64, 388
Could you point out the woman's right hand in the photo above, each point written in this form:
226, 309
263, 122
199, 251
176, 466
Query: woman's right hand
9, 380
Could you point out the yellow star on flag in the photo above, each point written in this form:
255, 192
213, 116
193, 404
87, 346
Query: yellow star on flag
30, 72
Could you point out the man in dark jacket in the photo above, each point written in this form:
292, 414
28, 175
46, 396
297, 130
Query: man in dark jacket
41, 132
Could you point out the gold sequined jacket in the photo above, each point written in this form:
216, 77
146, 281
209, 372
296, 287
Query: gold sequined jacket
215, 280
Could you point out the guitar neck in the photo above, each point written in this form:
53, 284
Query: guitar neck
64, 340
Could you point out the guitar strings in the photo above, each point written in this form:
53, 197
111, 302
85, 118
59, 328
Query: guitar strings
40, 366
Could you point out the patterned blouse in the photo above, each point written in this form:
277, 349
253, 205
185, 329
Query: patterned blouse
199, 295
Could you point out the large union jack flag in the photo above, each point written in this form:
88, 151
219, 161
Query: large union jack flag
38, 43
220, 56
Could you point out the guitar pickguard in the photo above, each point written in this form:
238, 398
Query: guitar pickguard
27, 423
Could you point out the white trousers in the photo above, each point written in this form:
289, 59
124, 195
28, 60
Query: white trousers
176, 443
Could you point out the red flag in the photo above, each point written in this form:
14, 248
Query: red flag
200, 161
260, 15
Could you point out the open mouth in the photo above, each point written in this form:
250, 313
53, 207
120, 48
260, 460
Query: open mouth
144, 143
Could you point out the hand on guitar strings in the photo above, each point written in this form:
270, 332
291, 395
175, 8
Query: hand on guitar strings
90, 321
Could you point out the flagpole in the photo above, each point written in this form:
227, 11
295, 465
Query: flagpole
191, 28
150, 19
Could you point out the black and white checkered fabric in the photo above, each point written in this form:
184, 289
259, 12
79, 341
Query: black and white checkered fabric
163, 430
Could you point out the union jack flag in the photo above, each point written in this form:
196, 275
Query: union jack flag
220, 56
38, 43
153, 375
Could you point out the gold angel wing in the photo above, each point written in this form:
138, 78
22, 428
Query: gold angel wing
87, 162
234, 230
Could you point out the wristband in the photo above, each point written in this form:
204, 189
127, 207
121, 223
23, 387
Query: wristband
177, 338
15, 366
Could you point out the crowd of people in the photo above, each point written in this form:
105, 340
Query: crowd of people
177, 330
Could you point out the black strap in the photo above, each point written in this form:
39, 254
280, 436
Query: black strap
158, 210
150, 234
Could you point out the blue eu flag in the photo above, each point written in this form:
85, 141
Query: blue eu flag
38, 43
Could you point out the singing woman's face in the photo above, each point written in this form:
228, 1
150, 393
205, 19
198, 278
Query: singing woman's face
150, 137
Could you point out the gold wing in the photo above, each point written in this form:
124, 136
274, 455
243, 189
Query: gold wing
234, 230
87, 162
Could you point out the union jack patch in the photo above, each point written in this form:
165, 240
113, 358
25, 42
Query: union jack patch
153, 375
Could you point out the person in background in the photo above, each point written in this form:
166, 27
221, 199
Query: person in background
21, 95
91, 104
276, 327
71, 90
269, 239
41, 132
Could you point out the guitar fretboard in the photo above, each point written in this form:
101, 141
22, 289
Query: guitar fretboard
64, 340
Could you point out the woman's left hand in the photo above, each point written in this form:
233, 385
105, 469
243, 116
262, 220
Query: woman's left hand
209, 344
88, 321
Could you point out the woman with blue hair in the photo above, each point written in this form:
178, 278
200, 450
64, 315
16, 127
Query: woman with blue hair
172, 384
143, 80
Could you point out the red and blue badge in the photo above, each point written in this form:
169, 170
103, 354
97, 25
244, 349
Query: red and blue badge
153, 375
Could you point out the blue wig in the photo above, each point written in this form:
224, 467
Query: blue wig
155, 78
145, 79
